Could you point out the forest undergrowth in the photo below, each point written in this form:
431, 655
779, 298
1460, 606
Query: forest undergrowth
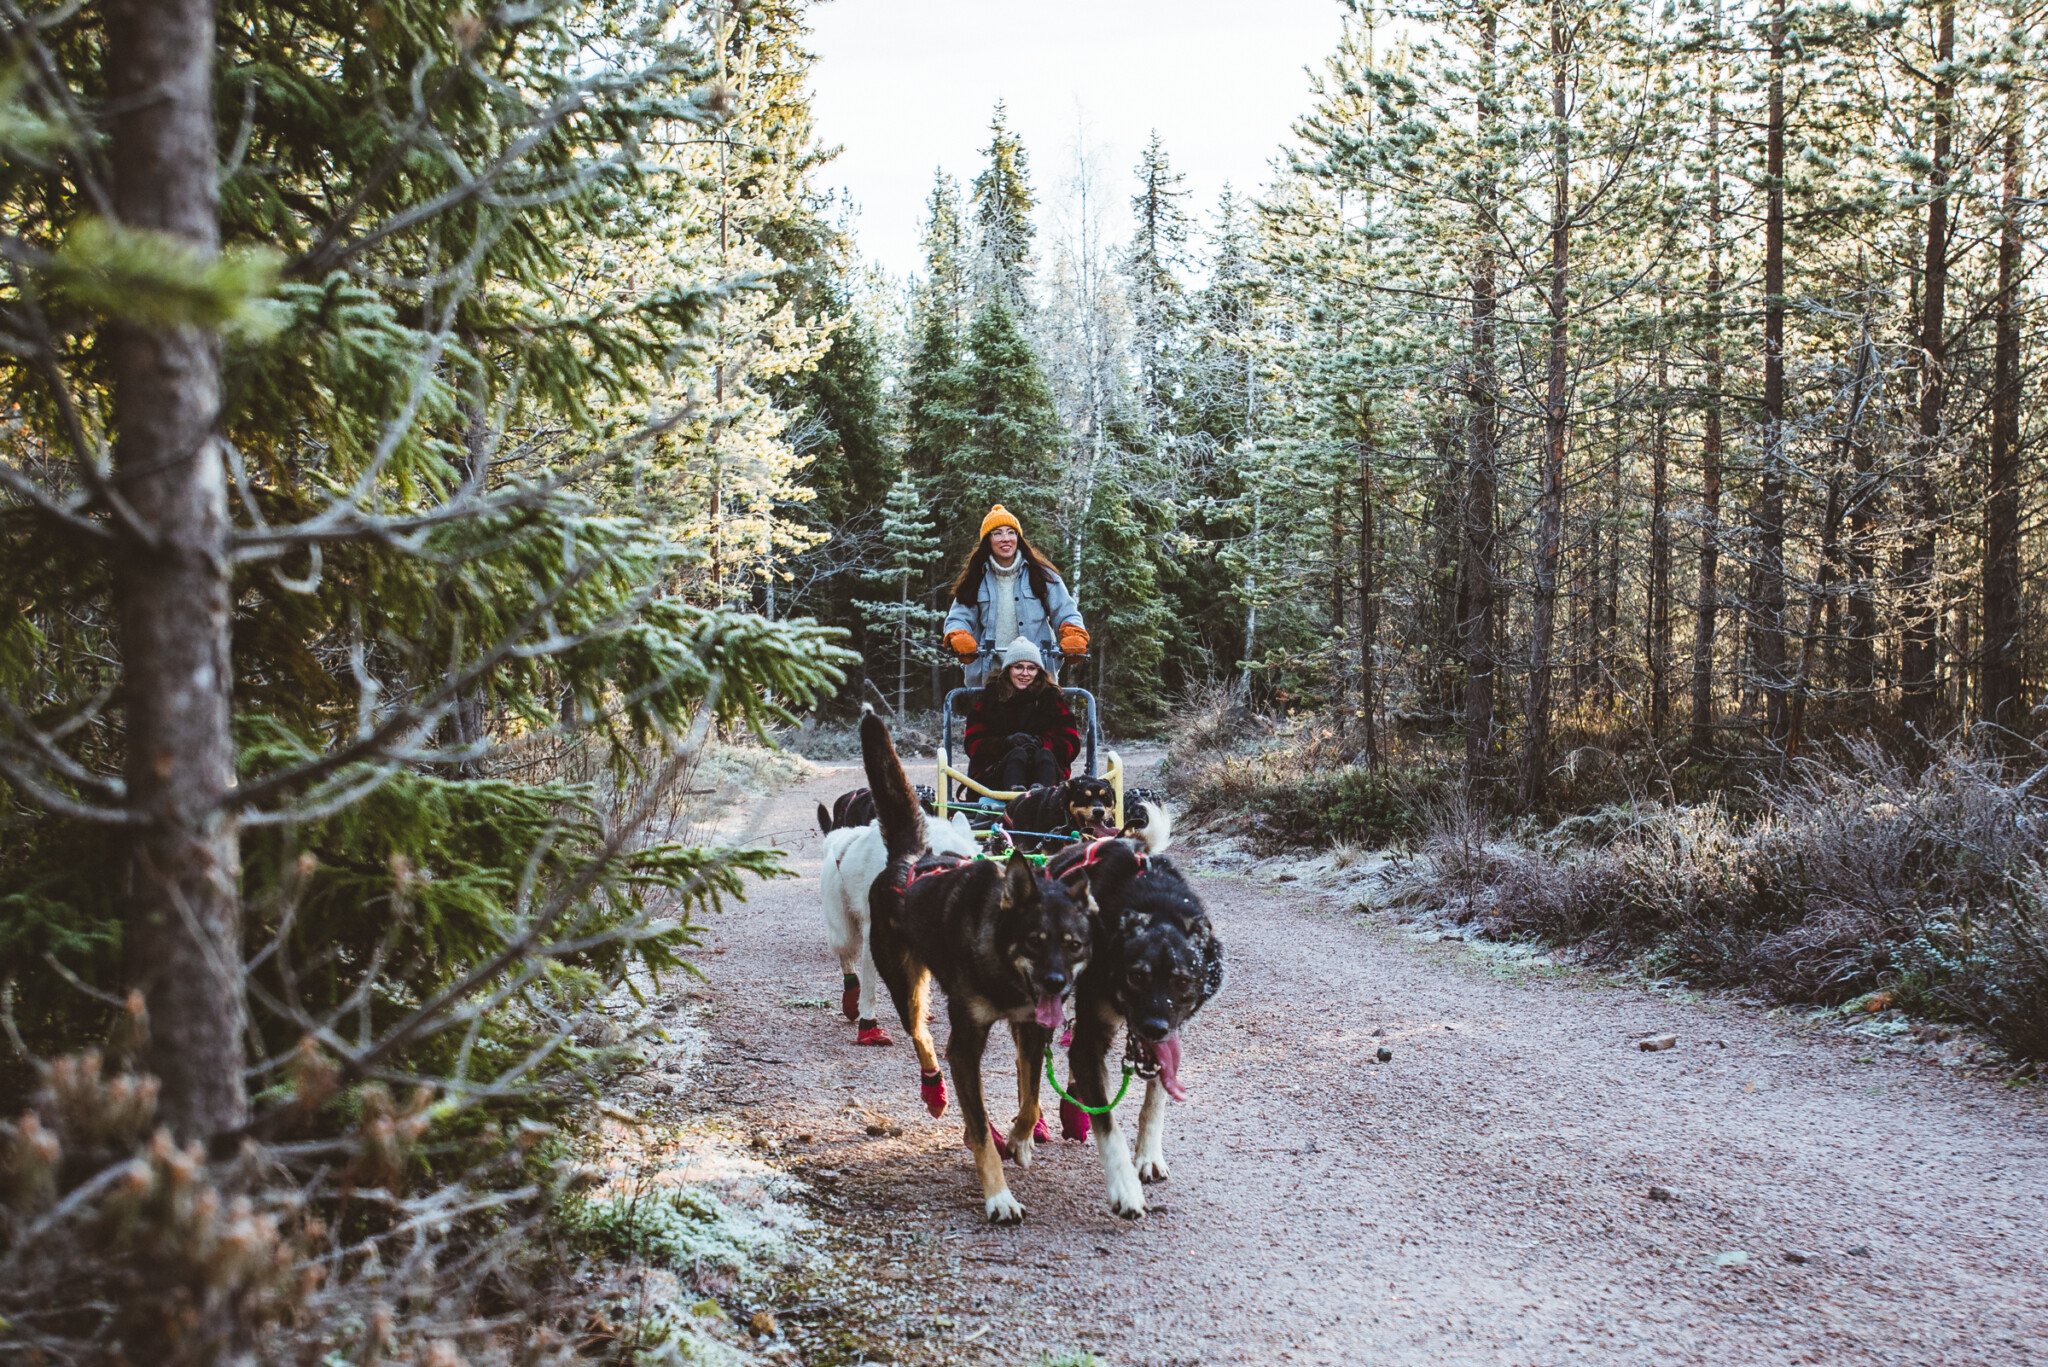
520, 1215
1857, 876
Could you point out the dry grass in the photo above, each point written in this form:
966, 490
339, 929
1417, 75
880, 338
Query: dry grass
1930, 881
1285, 782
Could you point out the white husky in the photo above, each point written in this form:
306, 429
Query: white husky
854, 858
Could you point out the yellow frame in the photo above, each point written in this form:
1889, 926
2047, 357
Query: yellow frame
1112, 769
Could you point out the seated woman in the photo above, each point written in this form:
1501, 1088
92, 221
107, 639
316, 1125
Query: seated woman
990, 602
1019, 731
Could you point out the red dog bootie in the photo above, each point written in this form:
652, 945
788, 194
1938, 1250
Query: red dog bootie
1002, 1144
1042, 1132
932, 1086
849, 996
1073, 1121
871, 1032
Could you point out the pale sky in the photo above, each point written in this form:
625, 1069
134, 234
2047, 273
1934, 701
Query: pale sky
906, 86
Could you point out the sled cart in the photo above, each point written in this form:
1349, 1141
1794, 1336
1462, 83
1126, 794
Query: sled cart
985, 806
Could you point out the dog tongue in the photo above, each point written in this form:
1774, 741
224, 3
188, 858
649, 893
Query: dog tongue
1051, 1011
1166, 1054
1102, 831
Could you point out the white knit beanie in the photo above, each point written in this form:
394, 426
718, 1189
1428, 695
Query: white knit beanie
1020, 650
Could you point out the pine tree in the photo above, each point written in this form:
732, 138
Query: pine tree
1157, 255
948, 283
910, 547
438, 371
1002, 219
1014, 436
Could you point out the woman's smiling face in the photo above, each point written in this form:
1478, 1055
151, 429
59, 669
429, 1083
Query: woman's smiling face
1022, 673
1003, 541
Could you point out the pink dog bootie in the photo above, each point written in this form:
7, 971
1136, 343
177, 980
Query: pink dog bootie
1042, 1132
1073, 1121
1002, 1144
932, 1086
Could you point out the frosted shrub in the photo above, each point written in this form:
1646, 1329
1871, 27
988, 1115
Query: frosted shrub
1929, 881
686, 1229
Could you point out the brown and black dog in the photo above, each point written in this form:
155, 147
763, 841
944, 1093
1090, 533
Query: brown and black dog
1157, 960
1005, 942
1052, 818
1060, 813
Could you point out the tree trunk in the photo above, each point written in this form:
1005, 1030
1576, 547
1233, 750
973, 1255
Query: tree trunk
1823, 593
1550, 506
1610, 592
1368, 602
1708, 608
171, 599
1475, 623
1337, 586
1659, 645
1767, 607
1919, 655
2000, 688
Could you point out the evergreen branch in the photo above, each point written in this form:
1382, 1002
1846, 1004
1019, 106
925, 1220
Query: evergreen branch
345, 520
331, 252
614, 842
31, 490
378, 743
41, 747
85, 456
59, 804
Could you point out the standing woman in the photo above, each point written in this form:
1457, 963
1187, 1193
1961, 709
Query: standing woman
1009, 589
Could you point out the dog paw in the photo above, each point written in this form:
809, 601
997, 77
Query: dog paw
1152, 1169
1126, 1197
1022, 1149
1005, 1209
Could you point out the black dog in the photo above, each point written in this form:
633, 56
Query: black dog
1005, 942
1156, 962
856, 808
1063, 813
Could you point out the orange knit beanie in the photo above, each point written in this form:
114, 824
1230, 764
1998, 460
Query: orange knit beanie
999, 516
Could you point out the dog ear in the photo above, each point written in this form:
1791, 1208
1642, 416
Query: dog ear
1020, 881
1212, 966
1075, 881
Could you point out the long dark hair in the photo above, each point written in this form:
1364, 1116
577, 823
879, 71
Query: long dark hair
967, 588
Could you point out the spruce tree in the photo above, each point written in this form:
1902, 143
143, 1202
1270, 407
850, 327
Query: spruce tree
948, 283
410, 384
1014, 436
1002, 219
1157, 255
910, 546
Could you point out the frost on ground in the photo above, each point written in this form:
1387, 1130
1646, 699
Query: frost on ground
693, 1228
700, 1225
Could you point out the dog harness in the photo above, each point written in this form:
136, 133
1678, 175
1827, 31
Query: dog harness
912, 875
1092, 855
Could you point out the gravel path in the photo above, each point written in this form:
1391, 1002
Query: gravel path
1482, 1198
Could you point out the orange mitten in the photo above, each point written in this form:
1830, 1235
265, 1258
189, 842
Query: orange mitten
1073, 640
961, 642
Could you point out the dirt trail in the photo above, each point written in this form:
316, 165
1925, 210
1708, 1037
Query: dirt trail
1483, 1198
